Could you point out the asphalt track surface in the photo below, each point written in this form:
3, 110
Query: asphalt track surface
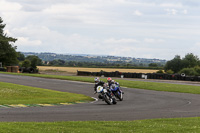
137, 104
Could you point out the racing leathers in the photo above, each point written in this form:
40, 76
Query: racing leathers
114, 86
100, 83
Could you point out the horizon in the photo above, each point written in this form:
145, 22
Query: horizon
90, 55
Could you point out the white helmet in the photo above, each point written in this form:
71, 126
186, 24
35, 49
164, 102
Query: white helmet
97, 79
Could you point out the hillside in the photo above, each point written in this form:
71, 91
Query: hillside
94, 58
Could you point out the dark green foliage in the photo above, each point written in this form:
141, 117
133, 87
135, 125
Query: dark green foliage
153, 65
177, 64
197, 69
21, 56
169, 71
160, 71
189, 71
26, 63
35, 61
8, 54
31, 61
190, 60
174, 64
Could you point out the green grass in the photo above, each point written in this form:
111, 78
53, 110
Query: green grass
129, 84
161, 86
19, 94
177, 125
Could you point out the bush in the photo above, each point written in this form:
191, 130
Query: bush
197, 69
189, 71
160, 71
26, 63
170, 72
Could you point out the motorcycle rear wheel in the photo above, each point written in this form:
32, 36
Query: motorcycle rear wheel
114, 101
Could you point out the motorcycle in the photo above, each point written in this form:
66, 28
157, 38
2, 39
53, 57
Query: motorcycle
105, 95
117, 93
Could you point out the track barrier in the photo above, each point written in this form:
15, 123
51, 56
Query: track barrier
140, 75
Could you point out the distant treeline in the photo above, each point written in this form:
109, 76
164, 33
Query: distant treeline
104, 64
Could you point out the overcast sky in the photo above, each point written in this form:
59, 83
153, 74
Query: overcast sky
132, 28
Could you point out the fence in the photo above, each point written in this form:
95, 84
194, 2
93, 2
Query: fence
141, 75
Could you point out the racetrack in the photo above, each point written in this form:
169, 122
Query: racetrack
137, 104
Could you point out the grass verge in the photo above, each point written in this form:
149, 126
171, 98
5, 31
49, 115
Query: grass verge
19, 94
182, 125
126, 83
178, 125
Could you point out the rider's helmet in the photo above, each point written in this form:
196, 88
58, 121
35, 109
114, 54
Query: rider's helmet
109, 80
112, 81
96, 80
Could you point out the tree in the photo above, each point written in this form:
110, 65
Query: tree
35, 60
190, 61
34, 63
26, 63
8, 54
175, 64
61, 62
153, 65
21, 56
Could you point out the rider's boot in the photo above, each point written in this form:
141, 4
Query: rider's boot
100, 97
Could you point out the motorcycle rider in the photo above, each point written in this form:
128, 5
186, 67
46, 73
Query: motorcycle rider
98, 82
112, 84
109, 80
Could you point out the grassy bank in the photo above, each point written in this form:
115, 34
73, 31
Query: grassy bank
19, 94
178, 125
129, 84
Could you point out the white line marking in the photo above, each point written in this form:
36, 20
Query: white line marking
189, 102
94, 99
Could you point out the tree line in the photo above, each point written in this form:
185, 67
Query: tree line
29, 61
117, 64
189, 65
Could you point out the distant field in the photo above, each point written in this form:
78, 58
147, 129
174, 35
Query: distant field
74, 69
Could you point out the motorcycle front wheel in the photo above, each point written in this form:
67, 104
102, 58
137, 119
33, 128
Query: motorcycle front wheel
107, 99
120, 96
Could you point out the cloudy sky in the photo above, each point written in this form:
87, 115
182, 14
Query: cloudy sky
132, 28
